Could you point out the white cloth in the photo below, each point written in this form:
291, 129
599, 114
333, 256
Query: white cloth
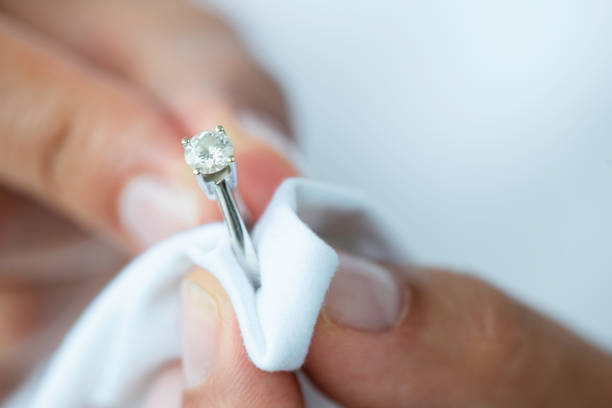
131, 328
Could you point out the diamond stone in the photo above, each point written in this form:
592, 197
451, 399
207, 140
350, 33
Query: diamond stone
209, 152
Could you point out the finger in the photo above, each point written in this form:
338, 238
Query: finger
38, 245
98, 150
75, 138
166, 388
442, 340
189, 59
217, 369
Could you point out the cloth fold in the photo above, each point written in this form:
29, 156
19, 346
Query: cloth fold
131, 329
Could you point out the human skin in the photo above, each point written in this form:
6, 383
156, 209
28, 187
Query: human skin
95, 97
455, 342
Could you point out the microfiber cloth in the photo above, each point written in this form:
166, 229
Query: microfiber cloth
131, 329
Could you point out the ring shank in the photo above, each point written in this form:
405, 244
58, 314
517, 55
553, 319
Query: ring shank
239, 236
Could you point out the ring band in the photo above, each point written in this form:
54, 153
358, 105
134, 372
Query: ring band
211, 156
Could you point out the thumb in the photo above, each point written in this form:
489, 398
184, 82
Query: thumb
442, 339
217, 369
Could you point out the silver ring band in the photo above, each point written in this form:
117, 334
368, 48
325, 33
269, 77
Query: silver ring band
239, 235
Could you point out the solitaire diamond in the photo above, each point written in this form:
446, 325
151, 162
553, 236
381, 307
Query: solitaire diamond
208, 152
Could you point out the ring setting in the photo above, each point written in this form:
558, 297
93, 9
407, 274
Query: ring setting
210, 154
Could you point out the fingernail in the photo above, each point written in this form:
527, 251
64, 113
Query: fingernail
266, 130
151, 209
363, 295
199, 332
165, 390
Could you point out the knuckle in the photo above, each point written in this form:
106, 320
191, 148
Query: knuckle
55, 140
501, 339
480, 337
82, 158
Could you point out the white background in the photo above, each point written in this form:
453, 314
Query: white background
484, 128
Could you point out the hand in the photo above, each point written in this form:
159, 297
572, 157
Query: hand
95, 98
392, 337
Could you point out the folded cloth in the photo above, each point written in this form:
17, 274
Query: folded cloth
131, 329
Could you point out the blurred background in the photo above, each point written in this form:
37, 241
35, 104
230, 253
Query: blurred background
485, 131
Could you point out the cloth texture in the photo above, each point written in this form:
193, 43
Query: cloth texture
131, 329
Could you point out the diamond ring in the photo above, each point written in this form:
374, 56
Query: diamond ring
211, 156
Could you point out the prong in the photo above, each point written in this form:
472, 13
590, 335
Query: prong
185, 141
220, 128
231, 159
196, 172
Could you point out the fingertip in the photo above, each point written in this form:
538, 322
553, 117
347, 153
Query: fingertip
200, 332
151, 208
364, 338
383, 299
260, 172
227, 375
